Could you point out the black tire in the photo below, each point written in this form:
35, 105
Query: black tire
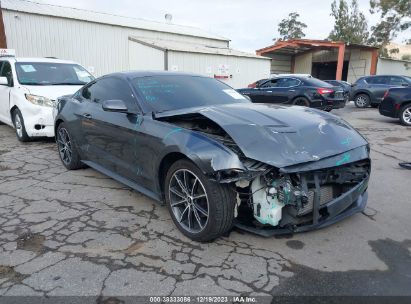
405, 115
19, 126
375, 105
301, 101
220, 201
362, 100
67, 148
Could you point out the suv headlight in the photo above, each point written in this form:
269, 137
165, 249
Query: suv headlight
40, 100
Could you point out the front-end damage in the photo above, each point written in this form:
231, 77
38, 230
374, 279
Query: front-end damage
293, 197
279, 203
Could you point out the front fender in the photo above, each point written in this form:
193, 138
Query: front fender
208, 154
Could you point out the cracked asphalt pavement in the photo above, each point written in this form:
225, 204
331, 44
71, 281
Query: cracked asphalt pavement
70, 233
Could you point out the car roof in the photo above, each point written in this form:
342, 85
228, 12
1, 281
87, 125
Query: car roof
135, 74
39, 59
384, 75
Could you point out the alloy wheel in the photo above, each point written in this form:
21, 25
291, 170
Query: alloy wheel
301, 102
65, 148
18, 125
361, 101
188, 201
406, 115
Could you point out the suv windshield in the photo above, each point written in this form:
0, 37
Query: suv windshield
48, 73
165, 93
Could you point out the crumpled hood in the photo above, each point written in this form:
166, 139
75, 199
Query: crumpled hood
52, 92
281, 136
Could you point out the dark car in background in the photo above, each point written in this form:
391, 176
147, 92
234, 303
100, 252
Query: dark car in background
346, 86
212, 156
369, 90
297, 90
397, 104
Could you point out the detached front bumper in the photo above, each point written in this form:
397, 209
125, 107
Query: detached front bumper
349, 203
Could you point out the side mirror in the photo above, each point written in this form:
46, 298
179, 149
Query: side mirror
4, 81
115, 106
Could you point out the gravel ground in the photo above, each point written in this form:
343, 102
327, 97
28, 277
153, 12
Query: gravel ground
71, 233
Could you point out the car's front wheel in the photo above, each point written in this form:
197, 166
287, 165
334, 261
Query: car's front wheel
200, 208
68, 153
405, 115
362, 101
19, 126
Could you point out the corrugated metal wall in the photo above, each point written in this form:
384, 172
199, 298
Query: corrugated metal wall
393, 67
303, 63
280, 64
103, 48
142, 57
243, 70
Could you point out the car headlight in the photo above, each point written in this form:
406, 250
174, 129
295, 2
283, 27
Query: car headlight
40, 100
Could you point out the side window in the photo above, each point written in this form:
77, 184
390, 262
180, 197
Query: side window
269, 84
288, 82
397, 81
6, 72
110, 88
379, 80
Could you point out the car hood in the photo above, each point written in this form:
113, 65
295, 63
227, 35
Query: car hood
52, 92
281, 136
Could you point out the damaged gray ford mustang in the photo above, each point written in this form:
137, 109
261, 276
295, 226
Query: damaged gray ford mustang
216, 159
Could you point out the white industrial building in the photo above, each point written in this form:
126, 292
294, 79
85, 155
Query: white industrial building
106, 43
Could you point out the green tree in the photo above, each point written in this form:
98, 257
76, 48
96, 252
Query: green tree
291, 27
350, 24
395, 18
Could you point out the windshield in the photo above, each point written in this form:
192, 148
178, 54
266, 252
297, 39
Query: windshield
48, 73
173, 92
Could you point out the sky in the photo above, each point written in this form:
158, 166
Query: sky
249, 24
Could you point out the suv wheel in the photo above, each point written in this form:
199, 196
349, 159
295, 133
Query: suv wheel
19, 126
201, 209
405, 115
362, 101
68, 153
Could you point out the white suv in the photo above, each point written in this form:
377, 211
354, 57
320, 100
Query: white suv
29, 88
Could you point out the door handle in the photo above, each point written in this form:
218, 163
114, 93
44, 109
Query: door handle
87, 116
291, 90
269, 91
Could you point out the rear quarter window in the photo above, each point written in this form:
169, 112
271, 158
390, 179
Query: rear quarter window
316, 83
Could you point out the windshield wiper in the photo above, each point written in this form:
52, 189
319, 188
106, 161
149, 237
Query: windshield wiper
34, 83
68, 83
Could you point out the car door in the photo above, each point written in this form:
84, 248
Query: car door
268, 91
5, 71
286, 90
378, 85
112, 138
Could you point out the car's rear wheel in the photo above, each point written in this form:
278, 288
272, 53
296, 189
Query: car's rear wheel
201, 209
19, 126
68, 153
362, 101
405, 115
301, 101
